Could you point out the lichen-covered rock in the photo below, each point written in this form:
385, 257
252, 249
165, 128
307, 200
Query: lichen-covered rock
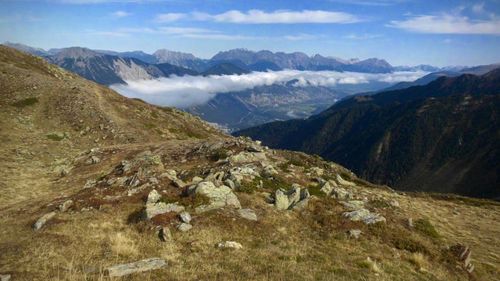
139, 266
247, 157
365, 216
218, 197
185, 217
158, 208
229, 245
43, 220
344, 182
354, 233
248, 214
153, 197
65, 205
184, 227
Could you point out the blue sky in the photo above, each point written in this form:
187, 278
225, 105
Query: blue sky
404, 32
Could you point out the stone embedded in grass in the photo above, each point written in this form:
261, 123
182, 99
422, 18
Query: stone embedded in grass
66, 205
43, 220
5, 277
248, 214
284, 200
353, 205
153, 197
154, 209
344, 182
139, 266
218, 197
365, 216
185, 217
90, 184
229, 245
184, 227
93, 160
165, 234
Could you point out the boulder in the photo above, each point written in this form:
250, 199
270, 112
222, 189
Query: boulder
185, 217
269, 171
154, 209
65, 205
365, 216
284, 200
139, 266
43, 220
328, 187
341, 193
281, 200
165, 234
219, 197
247, 157
229, 245
248, 214
184, 227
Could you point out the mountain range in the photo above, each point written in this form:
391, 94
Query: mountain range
440, 137
240, 58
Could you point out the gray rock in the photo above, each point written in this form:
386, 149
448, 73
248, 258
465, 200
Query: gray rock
178, 183
66, 205
165, 234
247, 157
281, 200
365, 216
229, 245
353, 205
185, 217
196, 179
269, 171
93, 160
248, 214
153, 197
139, 266
341, 193
184, 227
154, 209
43, 220
5, 277
354, 233
230, 183
90, 184
410, 223
327, 187
344, 182
153, 180
219, 197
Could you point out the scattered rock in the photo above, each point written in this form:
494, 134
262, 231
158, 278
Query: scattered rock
269, 171
463, 254
353, 205
344, 182
43, 220
229, 245
341, 193
165, 234
185, 217
158, 208
5, 277
230, 183
317, 171
248, 214
184, 227
219, 197
178, 183
284, 200
153, 180
153, 197
90, 183
394, 203
354, 233
410, 223
139, 266
66, 205
247, 157
93, 160
365, 216
196, 179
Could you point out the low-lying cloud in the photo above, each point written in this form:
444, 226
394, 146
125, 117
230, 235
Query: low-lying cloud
186, 91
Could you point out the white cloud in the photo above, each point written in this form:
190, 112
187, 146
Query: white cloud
371, 2
187, 91
278, 17
169, 17
354, 36
120, 14
448, 24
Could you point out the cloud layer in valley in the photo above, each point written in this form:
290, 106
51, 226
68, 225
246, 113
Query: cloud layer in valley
188, 91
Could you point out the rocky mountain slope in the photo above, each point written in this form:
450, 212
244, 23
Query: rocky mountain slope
95, 186
440, 137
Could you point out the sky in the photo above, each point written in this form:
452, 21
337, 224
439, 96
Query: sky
403, 32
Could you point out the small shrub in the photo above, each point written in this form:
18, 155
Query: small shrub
409, 244
25, 102
315, 189
249, 186
218, 154
425, 227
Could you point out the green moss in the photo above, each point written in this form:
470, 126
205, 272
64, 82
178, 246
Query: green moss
249, 186
275, 183
25, 102
315, 189
425, 227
